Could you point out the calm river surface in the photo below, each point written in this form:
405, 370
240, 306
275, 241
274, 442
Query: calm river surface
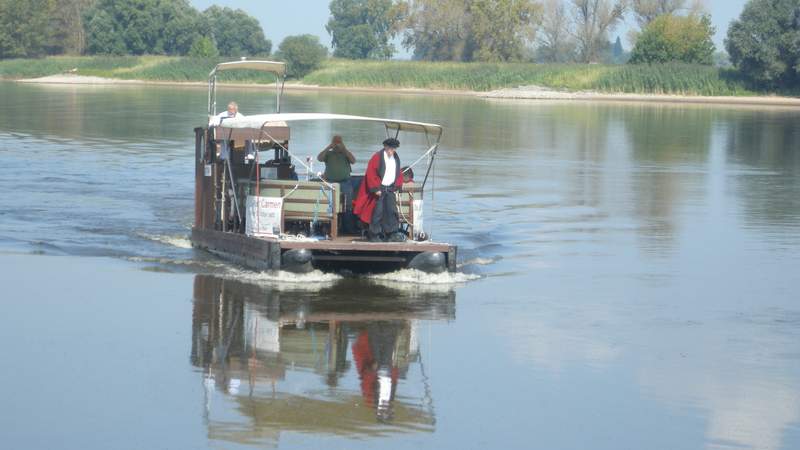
629, 279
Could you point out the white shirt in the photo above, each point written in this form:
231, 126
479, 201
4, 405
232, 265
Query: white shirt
390, 175
216, 120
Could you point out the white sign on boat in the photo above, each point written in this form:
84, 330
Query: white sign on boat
263, 216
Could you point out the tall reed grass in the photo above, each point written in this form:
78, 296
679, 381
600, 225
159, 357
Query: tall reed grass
645, 79
648, 79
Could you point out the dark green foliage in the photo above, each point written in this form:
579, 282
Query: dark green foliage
103, 36
303, 54
362, 29
668, 38
141, 27
170, 27
764, 44
33, 28
184, 28
617, 52
236, 33
24, 30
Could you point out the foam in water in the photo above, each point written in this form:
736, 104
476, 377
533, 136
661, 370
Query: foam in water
175, 241
418, 277
285, 280
479, 261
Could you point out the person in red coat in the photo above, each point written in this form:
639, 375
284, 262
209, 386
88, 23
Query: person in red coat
375, 203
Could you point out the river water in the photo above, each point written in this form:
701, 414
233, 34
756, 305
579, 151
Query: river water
628, 278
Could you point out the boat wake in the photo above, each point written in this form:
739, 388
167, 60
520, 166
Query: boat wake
174, 241
406, 276
479, 261
283, 280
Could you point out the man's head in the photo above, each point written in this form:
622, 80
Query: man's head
233, 108
336, 139
408, 174
390, 145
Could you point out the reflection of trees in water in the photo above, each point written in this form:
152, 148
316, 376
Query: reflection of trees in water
665, 141
251, 340
768, 142
84, 111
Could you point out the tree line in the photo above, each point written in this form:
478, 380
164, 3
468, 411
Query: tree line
509, 30
762, 44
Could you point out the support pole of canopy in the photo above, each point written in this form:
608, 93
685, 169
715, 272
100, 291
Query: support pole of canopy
279, 92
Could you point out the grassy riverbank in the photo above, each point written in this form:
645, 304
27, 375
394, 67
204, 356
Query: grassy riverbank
638, 79
672, 79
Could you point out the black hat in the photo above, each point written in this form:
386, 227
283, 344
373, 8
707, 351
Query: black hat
391, 142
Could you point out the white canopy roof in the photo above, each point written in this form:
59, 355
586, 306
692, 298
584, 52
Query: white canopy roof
258, 121
276, 67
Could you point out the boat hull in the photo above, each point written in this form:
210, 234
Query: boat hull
330, 256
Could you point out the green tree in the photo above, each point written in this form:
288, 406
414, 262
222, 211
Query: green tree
671, 38
236, 33
501, 29
482, 30
437, 30
24, 28
362, 29
303, 54
764, 43
617, 52
142, 26
169, 27
203, 47
102, 36
185, 27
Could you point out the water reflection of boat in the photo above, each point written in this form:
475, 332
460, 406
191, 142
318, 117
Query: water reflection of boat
316, 362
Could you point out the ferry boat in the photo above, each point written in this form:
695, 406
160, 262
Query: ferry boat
254, 207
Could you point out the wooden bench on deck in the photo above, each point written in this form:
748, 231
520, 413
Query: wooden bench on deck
313, 200
302, 200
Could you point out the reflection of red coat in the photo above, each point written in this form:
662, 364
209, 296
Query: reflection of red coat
365, 200
367, 368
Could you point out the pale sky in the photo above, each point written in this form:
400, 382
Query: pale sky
285, 18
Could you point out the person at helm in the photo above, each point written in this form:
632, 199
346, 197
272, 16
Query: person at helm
375, 203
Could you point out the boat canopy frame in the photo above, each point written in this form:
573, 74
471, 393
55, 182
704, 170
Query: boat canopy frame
275, 67
259, 126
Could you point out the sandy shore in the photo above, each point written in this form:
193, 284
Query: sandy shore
87, 80
540, 93
519, 93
